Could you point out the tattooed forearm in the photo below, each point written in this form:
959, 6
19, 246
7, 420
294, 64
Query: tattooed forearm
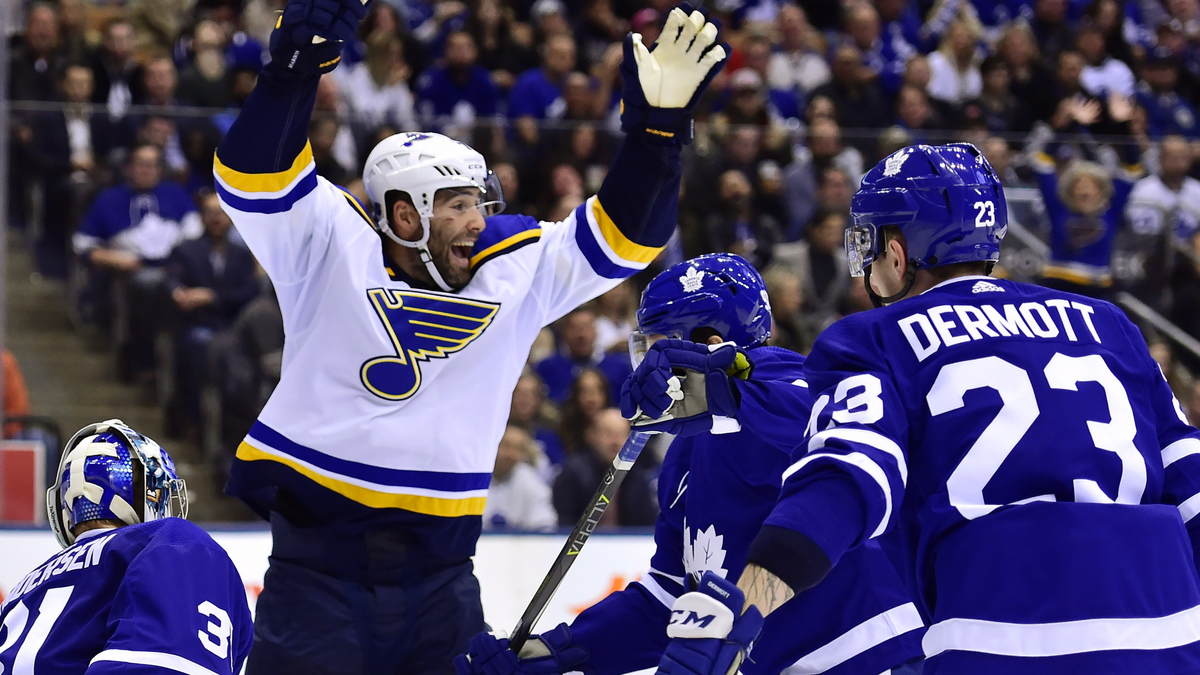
763, 589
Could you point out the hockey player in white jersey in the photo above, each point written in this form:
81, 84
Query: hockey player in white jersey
137, 589
408, 321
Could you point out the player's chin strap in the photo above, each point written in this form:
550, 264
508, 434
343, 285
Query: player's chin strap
422, 246
879, 300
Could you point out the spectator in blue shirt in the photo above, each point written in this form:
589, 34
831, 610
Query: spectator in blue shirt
577, 340
1166, 112
537, 93
886, 54
902, 19
459, 93
128, 235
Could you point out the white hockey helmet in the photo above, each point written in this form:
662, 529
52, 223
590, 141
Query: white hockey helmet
420, 164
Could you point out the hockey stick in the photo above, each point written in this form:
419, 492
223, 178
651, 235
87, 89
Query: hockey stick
579, 536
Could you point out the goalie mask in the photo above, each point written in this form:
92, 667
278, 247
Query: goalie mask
109, 471
720, 291
418, 165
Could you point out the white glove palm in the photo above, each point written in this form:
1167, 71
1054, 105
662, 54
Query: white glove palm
671, 73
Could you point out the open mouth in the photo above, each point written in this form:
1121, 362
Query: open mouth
460, 254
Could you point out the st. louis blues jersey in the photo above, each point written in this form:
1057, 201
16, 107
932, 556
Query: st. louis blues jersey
1040, 477
153, 598
393, 397
714, 493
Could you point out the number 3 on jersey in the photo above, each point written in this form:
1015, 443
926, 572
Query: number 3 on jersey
215, 636
1018, 413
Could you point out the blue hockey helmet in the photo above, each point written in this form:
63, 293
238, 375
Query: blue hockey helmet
946, 200
720, 291
108, 471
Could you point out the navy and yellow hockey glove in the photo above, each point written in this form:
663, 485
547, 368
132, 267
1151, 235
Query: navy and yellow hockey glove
662, 84
709, 633
680, 385
309, 35
551, 653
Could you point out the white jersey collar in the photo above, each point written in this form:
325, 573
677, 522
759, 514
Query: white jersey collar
970, 277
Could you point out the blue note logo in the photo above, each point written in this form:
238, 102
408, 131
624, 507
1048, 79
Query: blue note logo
422, 326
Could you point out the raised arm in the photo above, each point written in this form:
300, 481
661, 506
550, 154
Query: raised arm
264, 166
622, 229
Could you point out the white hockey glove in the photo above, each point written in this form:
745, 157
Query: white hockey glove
661, 84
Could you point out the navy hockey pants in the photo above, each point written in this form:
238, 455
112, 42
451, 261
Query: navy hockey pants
360, 605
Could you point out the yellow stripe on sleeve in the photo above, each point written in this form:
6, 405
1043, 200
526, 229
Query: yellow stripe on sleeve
264, 182
505, 243
430, 506
1051, 271
617, 241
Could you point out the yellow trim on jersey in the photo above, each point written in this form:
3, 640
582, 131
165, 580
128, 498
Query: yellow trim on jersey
358, 207
617, 241
503, 244
1076, 277
430, 506
264, 182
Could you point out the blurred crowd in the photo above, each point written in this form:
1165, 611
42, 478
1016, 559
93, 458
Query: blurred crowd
1086, 109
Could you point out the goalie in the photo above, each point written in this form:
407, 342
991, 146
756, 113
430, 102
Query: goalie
408, 322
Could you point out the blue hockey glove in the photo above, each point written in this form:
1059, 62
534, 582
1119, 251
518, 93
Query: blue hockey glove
680, 385
309, 36
550, 653
661, 84
709, 633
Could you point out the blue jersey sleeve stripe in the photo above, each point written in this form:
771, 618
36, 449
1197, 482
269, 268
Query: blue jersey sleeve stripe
862, 463
155, 659
863, 437
261, 434
264, 182
867, 635
656, 589
409, 499
268, 206
593, 253
678, 580
1063, 638
1180, 449
1190, 508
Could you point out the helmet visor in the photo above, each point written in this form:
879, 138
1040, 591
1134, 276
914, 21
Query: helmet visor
639, 344
860, 248
491, 201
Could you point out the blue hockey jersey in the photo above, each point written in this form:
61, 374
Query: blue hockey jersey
1040, 477
714, 492
152, 598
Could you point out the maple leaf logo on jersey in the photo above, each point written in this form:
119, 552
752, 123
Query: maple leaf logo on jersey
985, 287
422, 326
891, 166
705, 553
692, 280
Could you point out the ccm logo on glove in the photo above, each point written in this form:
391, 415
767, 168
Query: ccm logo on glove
696, 615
